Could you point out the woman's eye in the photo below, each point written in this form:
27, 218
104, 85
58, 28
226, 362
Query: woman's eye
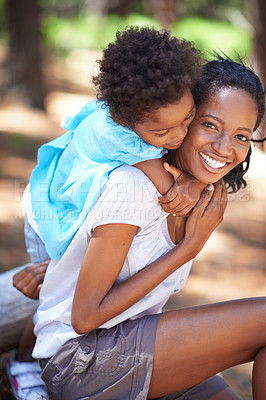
242, 138
209, 125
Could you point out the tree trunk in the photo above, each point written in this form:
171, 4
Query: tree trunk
15, 309
259, 18
121, 7
166, 11
258, 8
25, 57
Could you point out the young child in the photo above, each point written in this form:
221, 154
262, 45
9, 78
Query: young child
144, 108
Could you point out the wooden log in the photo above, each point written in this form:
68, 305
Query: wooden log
15, 309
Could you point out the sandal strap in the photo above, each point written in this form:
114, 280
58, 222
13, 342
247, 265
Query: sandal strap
17, 368
27, 381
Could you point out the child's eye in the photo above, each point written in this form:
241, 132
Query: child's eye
243, 138
161, 133
191, 115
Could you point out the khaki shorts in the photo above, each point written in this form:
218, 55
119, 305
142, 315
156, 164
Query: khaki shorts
112, 364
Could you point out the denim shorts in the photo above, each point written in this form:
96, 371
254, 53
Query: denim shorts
34, 244
113, 364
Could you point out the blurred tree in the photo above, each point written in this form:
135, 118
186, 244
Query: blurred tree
166, 11
25, 57
121, 7
219, 9
258, 9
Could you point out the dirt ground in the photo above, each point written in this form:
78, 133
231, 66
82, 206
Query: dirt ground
233, 262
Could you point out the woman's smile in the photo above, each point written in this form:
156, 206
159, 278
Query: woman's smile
212, 162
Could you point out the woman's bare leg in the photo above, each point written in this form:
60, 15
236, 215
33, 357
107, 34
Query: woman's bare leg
195, 343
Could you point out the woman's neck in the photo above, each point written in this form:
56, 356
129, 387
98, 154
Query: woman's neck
173, 158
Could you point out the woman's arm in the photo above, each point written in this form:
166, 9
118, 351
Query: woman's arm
96, 300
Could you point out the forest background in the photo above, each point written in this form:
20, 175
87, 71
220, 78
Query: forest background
48, 53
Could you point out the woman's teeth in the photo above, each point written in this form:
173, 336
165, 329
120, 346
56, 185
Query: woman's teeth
211, 162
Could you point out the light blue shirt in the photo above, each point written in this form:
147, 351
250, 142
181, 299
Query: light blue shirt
73, 168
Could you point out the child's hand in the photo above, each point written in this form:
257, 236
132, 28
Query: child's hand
184, 193
29, 280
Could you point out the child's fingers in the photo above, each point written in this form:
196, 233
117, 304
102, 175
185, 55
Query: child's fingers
38, 291
184, 212
32, 288
172, 194
173, 170
180, 209
29, 278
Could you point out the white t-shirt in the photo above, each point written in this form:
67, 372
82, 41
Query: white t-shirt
128, 197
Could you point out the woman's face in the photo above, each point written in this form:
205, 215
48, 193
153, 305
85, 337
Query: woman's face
219, 136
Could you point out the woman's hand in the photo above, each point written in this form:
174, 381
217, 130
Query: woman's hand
206, 215
29, 280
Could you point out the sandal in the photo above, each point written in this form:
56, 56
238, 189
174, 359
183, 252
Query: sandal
25, 379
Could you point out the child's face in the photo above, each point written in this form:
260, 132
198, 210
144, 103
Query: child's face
168, 126
219, 136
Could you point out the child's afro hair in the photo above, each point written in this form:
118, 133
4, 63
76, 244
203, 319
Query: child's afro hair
145, 69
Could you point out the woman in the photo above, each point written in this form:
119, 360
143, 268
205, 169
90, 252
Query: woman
129, 256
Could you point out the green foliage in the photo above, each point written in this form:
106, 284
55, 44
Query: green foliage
210, 35
217, 9
3, 20
90, 31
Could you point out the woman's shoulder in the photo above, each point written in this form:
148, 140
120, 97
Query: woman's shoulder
129, 173
130, 182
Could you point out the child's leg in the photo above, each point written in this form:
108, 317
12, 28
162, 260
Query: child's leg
34, 244
37, 252
26, 344
17, 370
195, 343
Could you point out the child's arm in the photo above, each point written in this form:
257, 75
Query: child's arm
180, 190
155, 171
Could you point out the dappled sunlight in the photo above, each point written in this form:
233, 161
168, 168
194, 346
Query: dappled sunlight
16, 168
59, 104
20, 119
11, 200
77, 68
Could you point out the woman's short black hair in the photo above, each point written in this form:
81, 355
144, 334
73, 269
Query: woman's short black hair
225, 73
145, 69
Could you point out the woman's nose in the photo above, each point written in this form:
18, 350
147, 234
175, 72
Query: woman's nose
223, 145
